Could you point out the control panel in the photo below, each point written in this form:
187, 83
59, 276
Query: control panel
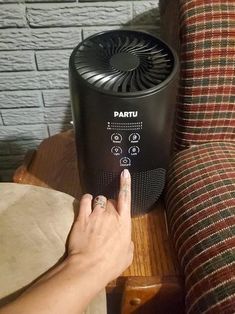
125, 146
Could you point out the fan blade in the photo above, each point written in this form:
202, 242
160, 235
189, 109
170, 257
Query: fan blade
126, 82
112, 81
107, 78
118, 82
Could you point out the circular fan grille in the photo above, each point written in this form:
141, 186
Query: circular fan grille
124, 61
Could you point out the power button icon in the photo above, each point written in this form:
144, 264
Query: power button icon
125, 161
116, 138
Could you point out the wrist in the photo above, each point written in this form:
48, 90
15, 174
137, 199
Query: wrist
81, 266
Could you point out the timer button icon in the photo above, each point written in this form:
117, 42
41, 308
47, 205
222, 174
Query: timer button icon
116, 138
134, 137
125, 161
116, 150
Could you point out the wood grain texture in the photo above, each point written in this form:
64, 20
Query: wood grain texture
154, 273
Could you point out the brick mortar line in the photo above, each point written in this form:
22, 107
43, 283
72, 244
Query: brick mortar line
43, 98
48, 130
80, 27
35, 60
26, 16
1, 118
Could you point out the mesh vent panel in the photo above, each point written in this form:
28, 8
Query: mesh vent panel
146, 187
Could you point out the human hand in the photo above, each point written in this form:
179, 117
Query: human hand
99, 250
102, 238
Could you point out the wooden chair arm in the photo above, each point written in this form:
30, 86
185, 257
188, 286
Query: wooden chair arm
152, 295
22, 170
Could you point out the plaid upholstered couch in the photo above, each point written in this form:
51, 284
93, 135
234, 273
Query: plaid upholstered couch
200, 195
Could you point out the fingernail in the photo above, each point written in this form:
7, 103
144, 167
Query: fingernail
126, 173
87, 195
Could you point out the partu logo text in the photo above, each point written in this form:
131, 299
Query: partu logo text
125, 114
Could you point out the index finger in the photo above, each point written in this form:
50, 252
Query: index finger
124, 196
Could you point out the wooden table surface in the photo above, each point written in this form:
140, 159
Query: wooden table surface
154, 270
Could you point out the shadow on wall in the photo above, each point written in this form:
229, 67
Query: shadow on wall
12, 151
13, 148
28, 131
143, 22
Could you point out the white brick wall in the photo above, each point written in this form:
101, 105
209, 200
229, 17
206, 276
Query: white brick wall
36, 39
15, 61
97, 13
46, 60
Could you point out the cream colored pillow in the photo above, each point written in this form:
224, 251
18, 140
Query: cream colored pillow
34, 225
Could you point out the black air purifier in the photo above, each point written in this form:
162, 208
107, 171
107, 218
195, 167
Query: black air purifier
123, 90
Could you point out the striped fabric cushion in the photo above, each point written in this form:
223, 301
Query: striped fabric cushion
207, 81
200, 203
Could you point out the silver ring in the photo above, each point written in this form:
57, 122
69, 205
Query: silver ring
99, 201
